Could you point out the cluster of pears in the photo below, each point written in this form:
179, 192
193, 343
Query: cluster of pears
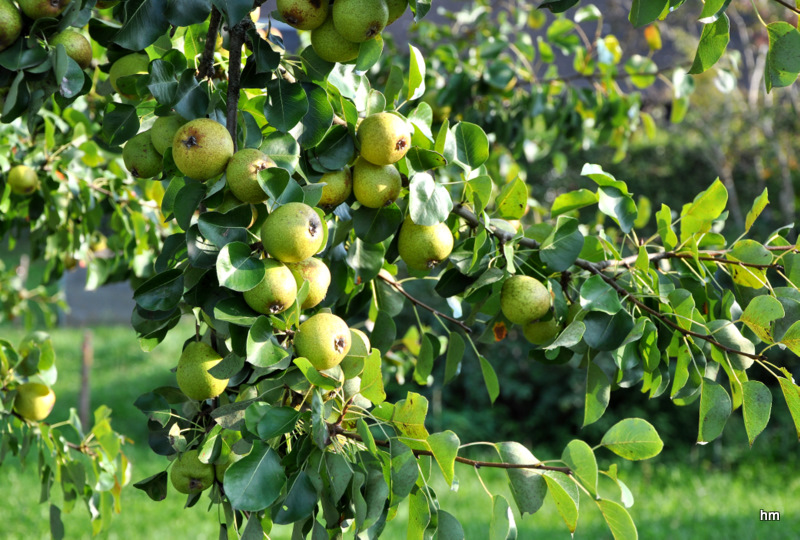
526, 301
76, 45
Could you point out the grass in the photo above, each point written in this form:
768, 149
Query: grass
672, 501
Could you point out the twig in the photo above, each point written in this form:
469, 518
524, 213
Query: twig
206, 66
423, 305
712, 256
788, 6
234, 75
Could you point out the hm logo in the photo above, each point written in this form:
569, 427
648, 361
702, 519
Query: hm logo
770, 516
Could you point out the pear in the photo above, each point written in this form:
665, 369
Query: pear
303, 14
78, 47
202, 148
276, 292
324, 340
318, 276
375, 186
360, 20
34, 401
423, 247
384, 137
353, 363
292, 232
23, 180
541, 332
36, 9
141, 157
396, 9
127, 66
163, 131
337, 188
194, 380
242, 173
330, 45
10, 24
524, 299
189, 474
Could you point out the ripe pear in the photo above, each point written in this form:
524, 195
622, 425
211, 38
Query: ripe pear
375, 186
541, 332
292, 232
524, 299
189, 474
141, 157
324, 340
202, 148
353, 363
384, 137
318, 276
337, 188
163, 131
423, 247
303, 14
78, 47
23, 180
10, 24
36, 9
360, 20
194, 380
330, 45
132, 64
34, 401
276, 292
242, 173
396, 9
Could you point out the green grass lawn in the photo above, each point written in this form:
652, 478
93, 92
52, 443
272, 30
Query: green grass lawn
671, 501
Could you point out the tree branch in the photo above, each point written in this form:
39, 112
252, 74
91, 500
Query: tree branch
788, 6
713, 256
234, 75
206, 66
423, 305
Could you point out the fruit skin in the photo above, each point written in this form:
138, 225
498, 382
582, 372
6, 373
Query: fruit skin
292, 232
303, 14
318, 276
36, 9
360, 20
202, 148
375, 186
276, 292
396, 9
384, 137
23, 180
524, 299
338, 187
34, 401
141, 157
190, 475
242, 172
194, 380
132, 64
163, 131
541, 332
10, 24
78, 47
324, 340
423, 247
330, 45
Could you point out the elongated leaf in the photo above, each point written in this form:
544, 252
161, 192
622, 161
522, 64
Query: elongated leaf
490, 379
633, 439
563, 245
371, 378
791, 392
598, 394
619, 520
756, 408
255, 481
528, 486
472, 145
502, 526
287, 104
646, 11
759, 315
713, 42
715, 408
236, 269
566, 496
445, 446
145, 21
580, 458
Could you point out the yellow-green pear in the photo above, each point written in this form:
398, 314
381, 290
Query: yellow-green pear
541, 332
292, 233
121, 72
338, 187
324, 340
194, 380
384, 137
330, 45
375, 186
524, 299
360, 20
353, 363
396, 9
318, 276
141, 157
422, 247
189, 474
36, 9
276, 292
242, 174
303, 14
23, 180
202, 148
78, 47
10, 23
34, 401
163, 131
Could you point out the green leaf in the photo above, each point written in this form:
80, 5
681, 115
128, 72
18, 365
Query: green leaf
145, 22
287, 104
262, 349
715, 408
502, 526
598, 394
235, 311
751, 252
697, 216
792, 338
713, 42
633, 439
120, 123
422, 159
429, 202
255, 482
372, 379
222, 229
606, 332
56, 525
563, 245
756, 408
759, 204
384, 332
618, 520
277, 421
315, 377
155, 486
368, 54
783, 62
619, 206
448, 527
409, 417
729, 335
318, 119
283, 149
299, 502
580, 458
455, 353
490, 378
416, 73
366, 259
572, 200
480, 189
472, 146
791, 392
603, 179
419, 515
512, 200
570, 337
646, 11
711, 8
374, 225
161, 292
665, 231
528, 486
68, 73
759, 315
445, 447
597, 295
565, 495
237, 269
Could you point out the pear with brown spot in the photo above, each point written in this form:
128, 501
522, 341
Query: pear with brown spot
202, 148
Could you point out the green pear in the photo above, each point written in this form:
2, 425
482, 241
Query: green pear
194, 380
318, 276
541, 332
10, 24
423, 247
242, 173
36, 9
524, 299
34, 401
324, 340
23, 180
353, 363
360, 20
141, 157
202, 148
163, 131
121, 73
189, 474
384, 137
338, 187
78, 47
396, 9
292, 232
276, 292
375, 186
330, 45
303, 14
